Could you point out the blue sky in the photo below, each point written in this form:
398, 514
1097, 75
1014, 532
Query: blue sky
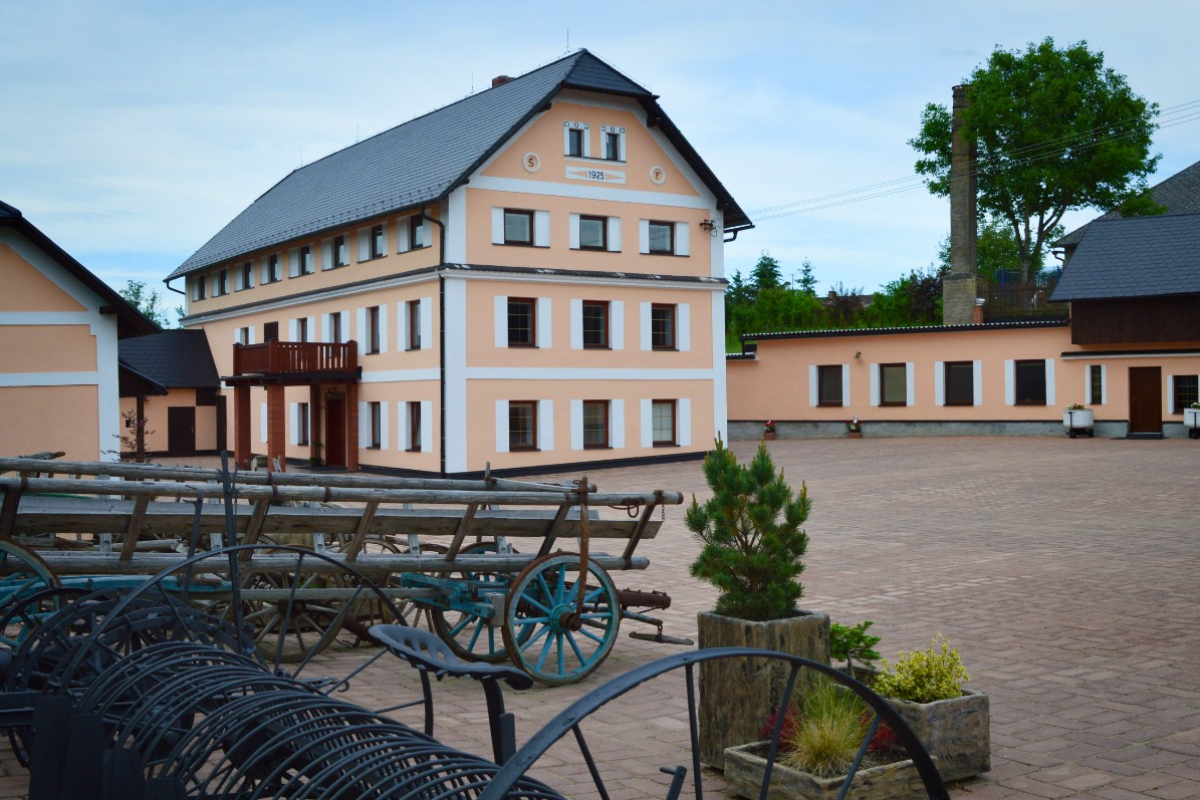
131, 132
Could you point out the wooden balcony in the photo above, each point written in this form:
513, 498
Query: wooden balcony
294, 362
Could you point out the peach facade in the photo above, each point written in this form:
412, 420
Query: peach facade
58, 357
155, 410
451, 390
780, 382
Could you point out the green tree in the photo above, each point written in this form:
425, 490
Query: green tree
1055, 130
808, 282
145, 301
998, 250
767, 274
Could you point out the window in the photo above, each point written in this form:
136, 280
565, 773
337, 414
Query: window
335, 328
222, 282
341, 256
200, 287
243, 336
829, 386
303, 423
1186, 392
612, 146
206, 396
593, 233
376, 412
518, 227
414, 427
960, 383
575, 142
522, 425
373, 329
302, 332
662, 238
1031, 383
416, 232
595, 424
662, 327
414, 324
893, 385
270, 331
1096, 385
595, 324
248, 275
306, 260
273, 273
662, 415
378, 242
522, 322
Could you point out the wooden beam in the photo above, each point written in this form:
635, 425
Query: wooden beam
8, 510
461, 532
257, 519
554, 529
360, 533
134, 528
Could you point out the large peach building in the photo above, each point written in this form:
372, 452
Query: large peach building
529, 277
59, 328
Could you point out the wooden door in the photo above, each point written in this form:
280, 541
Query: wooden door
181, 431
335, 430
1145, 400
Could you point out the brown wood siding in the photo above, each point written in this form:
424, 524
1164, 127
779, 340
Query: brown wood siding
1136, 320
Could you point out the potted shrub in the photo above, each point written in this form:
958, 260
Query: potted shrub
1191, 420
752, 551
1076, 418
854, 428
817, 746
769, 431
851, 643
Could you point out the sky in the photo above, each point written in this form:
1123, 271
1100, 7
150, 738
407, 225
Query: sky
131, 132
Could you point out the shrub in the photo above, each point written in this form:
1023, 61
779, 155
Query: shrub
853, 643
829, 733
751, 535
924, 676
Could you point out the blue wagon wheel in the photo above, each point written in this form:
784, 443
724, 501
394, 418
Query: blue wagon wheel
469, 635
544, 633
22, 572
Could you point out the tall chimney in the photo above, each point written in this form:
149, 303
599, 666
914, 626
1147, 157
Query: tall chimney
958, 288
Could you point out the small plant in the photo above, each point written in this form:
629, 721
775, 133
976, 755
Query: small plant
854, 426
853, 643
769, 427
1194, 405
751, 535
924, 676
1075, 407
829, 734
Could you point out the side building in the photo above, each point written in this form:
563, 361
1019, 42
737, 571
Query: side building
531, 277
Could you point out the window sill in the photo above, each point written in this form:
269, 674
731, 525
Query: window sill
666, 444
524, 449
596, 160
838, 404
513, 346
665, 253
597, 447
1030, 403
414, 450
373, 447
664, 349
596, 347
412, 349
582, 249
522, 244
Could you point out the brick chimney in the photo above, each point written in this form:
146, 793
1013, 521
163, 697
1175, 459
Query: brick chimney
958, 288
500, 80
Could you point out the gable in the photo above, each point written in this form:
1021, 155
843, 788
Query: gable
27, 289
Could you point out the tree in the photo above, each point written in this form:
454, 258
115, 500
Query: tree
767, 274
808, 282
998, 250
145, 301
1055, 130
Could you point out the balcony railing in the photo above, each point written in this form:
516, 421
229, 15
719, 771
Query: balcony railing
299, 358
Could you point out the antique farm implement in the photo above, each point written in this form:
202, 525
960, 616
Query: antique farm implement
499, 569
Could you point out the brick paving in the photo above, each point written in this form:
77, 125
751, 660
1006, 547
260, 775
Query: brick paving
1065, 571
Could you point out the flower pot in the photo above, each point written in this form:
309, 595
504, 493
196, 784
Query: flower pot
854, 434
745, 766
1079, 419
736, 694
956, 732
1191, 421
769, 436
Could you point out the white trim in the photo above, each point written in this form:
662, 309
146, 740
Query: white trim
647, 420
1095, 357
719, 388
616, 323
874, 384
910, 384
364, 244
1010, 382
383, 327
683, 327
403, 234
426, 307
327, 253
544, 323
814, 395
845, 385
717, 247
977, 381
400, 375
576, 424
293, 423
497, 225
1104, 384
1170, 394
616, 424
401, 326
562, 374
573, 231
293, 254
262, 421
1051, 395
586, 138
48, 318
364, 424
939, 383
362, 331
8, 379
454, 409
384, 434
643, 236
613, 234
682, 243
576, 325
587, 192
455, 235
326, 328
644, 327
426, 426
683, 422
502, 432
541, 228
402, 436
500, 321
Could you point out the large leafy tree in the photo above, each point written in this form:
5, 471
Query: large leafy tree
1055, 130
146, 301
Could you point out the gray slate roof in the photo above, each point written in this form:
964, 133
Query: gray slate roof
1137, 257
176, 359
1180, 194
423, 160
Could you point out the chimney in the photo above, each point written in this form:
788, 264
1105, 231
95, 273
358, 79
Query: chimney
959, 287
500, 80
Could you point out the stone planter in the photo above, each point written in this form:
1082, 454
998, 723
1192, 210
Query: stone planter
769, 435
1079, 419
1191, 421
745, 766
854, 434
956, 732
736, 694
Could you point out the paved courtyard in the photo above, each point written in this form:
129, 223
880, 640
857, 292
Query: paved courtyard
1065, 571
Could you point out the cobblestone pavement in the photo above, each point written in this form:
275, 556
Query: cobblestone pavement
1065, 571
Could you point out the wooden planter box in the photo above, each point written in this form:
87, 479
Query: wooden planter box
736, 694
956, 732
745, 766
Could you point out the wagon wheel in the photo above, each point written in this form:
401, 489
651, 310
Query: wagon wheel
370, 611
21, 615
471, 636
542, 630
22, 572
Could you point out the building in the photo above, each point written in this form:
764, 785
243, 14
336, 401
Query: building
530, 277
59, 331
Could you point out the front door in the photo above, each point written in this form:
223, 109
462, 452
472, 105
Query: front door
335, 430
181, 431
1145, 400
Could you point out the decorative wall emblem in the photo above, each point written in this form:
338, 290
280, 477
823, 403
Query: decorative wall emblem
531, 162
658, 176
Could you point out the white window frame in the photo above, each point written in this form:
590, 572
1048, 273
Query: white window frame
586, 150
621, 141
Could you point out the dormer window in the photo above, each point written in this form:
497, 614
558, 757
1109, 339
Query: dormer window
613, 142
